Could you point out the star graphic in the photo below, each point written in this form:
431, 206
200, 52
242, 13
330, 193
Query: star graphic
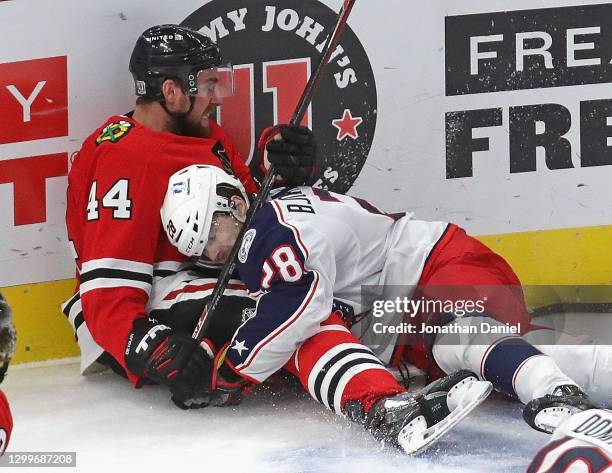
239, 347
347, 125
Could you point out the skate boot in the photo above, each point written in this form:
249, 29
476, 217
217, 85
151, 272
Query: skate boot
413, 421
547, 412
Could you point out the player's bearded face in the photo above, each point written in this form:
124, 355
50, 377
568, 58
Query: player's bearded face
213, 86
223, 234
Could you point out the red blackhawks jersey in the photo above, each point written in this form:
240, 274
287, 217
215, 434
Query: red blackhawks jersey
116, 187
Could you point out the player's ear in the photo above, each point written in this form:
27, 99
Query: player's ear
172, 92
240, 206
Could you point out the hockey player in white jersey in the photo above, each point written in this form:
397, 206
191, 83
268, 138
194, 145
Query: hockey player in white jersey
294, 325
307, 246
582, 443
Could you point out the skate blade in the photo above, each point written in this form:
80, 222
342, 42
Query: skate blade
549, 418
416, 437
456, 393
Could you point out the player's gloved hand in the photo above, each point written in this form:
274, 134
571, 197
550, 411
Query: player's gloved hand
171, 358
292, 150
227, 388
221, 392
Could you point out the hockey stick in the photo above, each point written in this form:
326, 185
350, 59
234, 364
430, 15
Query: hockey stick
211, 308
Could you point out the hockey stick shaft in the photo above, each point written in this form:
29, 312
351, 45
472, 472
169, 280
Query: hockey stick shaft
211, 308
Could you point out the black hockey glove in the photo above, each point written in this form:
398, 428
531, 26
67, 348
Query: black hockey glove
171, 358
292, 150
226, 388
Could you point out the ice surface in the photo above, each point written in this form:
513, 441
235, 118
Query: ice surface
111, 425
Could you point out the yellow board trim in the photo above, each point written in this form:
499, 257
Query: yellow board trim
567, 256
43, 332
576, 261
574, 256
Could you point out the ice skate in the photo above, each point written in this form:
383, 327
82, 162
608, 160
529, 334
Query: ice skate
547, 412
413, 421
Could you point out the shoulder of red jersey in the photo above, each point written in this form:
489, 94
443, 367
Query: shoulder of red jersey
217, 132
114, 130
121, 135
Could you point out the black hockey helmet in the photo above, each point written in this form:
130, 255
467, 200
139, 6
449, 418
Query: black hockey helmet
171, 51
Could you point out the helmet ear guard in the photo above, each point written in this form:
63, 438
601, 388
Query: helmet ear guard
191, 200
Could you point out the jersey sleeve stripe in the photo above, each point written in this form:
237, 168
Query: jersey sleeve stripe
290, 321
73, 311
78, 321
105, 273
90, 350
113, 263
106, 283
109, 272
67, 306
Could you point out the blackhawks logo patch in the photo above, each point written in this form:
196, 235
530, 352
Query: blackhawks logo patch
113, 132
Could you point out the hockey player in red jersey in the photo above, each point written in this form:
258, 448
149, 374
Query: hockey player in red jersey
307, 247
7, 349
126, 268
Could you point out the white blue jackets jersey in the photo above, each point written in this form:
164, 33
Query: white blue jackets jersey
303, 249
582, 443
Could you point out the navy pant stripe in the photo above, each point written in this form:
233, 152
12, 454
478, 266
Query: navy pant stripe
504, 359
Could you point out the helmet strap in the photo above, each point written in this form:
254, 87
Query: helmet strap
231, 210
179, 117
234, 213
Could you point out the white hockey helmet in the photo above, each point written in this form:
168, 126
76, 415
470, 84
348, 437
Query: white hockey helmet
191, 200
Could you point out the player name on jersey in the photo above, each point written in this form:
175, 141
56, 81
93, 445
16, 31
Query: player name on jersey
595, 428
